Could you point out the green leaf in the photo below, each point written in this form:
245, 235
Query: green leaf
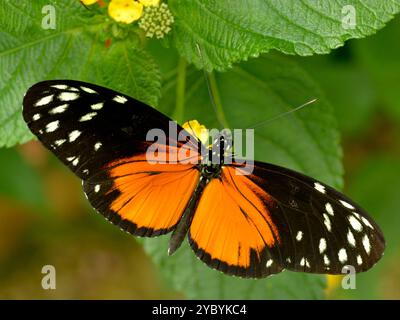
348, 87
74, 50
19, 181
306, 140
231, 31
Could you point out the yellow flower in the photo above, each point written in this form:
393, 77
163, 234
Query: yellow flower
126, 11
88, 2
197, 130
333, 282
148, 3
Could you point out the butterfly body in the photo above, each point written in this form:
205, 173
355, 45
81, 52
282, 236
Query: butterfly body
252, 224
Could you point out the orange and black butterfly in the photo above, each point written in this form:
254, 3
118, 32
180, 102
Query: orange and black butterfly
250, 225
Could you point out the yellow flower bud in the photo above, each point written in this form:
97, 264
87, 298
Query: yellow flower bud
148, 3
197, 130
126, 11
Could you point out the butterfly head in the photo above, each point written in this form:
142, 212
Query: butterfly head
216, 144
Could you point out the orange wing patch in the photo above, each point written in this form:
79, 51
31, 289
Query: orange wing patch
232, 224
152, 196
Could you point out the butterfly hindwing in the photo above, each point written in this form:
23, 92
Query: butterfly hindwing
323, 229
232, 229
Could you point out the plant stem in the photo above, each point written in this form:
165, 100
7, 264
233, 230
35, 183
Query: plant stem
180, 91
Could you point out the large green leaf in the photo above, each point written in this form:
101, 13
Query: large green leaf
230, 31
75, 50
307, 141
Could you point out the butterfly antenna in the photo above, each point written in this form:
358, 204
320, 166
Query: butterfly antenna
84, 5
210, 92
281, 115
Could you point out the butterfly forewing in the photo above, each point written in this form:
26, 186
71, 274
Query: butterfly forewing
87, 126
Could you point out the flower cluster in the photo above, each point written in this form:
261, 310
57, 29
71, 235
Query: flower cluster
156, 21
154, 18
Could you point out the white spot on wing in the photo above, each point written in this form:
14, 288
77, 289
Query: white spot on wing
322, 245
357, 215
52, 126
43, 101
88, 116
68, 96
88, 90
269, 263
60, 86
97, 106
59, 142
59, 109
342, 254
359, 260
120, 99
74, 135
304, 262
366, 222
355, 224
350, 238
329, 209
75, 162
299, 236
326, 260
36, 117
327, 222
97, 188
366, 244
97, 146
319, 187
346, 204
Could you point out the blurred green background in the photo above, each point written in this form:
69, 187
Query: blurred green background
45, 219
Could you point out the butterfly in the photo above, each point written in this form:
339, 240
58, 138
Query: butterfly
248, 225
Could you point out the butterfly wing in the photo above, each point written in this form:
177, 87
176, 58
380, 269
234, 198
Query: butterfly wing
101, 136
275, 219
232, 229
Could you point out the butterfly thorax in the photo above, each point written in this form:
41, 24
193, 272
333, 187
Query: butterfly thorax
212, 171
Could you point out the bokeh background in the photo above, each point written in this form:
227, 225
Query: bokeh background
45, 219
